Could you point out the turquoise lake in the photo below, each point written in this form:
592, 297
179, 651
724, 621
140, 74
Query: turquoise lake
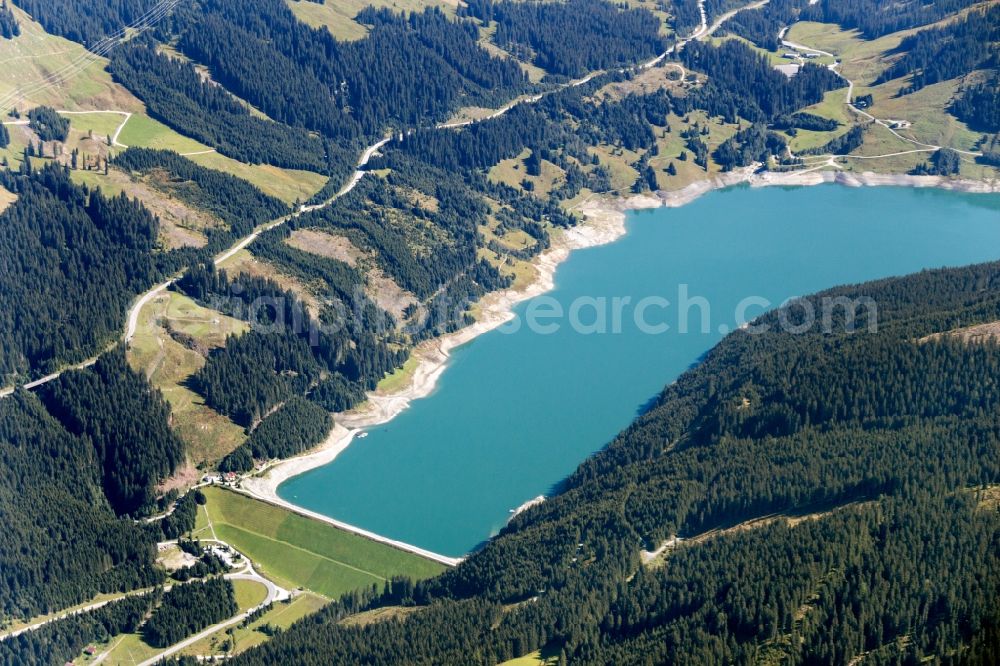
514, 413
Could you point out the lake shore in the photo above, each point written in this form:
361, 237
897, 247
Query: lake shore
602, 226
604, 222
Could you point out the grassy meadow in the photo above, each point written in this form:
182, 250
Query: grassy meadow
168, 364
338, 16
238, 639
299, 552
924, 112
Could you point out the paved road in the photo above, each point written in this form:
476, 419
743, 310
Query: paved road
730, 14
247, 572
701, 30
132, 320
274, 593
133, 314
82, 609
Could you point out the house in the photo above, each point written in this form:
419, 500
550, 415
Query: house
791, 55
223, 553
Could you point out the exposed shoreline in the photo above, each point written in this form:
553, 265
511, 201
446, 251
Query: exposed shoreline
604, 222
602, 226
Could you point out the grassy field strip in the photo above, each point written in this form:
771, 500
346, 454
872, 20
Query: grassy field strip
301, 552
284, 617
294, 566
44, 69
309, 552
202, 524
131, 649
249, 594
338, 16
102, 123
6, 199
544, 657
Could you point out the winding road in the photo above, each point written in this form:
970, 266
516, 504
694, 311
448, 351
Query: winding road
77, 611
849, 99
247, 572
132, 320
275, 593
699, 32
114, 137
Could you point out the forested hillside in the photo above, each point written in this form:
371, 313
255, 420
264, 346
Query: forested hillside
62, 543
762, 27
74, 259
72, 263
409, 70
743, 84
90, 450
296, 427
964, 48
239, 205
188, 608
938, 54
572, 38
287, 353
884, 442
875, 18
47, 124
58, 641
91, 22
9, 26
175, 94
128, 424
566, 122
979, 105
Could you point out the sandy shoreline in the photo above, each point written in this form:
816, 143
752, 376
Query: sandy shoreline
604, 222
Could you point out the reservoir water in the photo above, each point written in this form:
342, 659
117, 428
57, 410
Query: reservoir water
516, 412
